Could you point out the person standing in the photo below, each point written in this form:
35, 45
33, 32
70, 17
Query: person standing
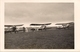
14, 29
24, 29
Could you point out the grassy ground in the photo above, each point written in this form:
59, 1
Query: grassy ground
49, 39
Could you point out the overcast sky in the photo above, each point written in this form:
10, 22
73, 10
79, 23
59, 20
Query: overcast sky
26, 13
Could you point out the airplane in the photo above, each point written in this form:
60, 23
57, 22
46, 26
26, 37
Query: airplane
42, 26
8, 28
63, 25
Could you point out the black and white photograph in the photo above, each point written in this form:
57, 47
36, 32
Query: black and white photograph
39, 25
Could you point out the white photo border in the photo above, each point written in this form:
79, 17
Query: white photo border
76, 21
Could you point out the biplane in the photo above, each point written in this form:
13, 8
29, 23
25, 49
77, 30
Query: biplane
42, 26
63, 25
8, 28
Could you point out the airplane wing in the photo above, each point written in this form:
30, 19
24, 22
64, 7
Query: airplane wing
48, 24
36, 24
61, 23
8, 25
19, 25
64, 23
12, 25
40, 24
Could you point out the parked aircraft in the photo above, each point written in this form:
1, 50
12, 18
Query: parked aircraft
63, 25
13, 28
42, 26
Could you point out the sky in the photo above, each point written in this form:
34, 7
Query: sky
27, 13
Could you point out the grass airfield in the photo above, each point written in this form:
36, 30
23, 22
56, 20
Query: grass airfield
49, 39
